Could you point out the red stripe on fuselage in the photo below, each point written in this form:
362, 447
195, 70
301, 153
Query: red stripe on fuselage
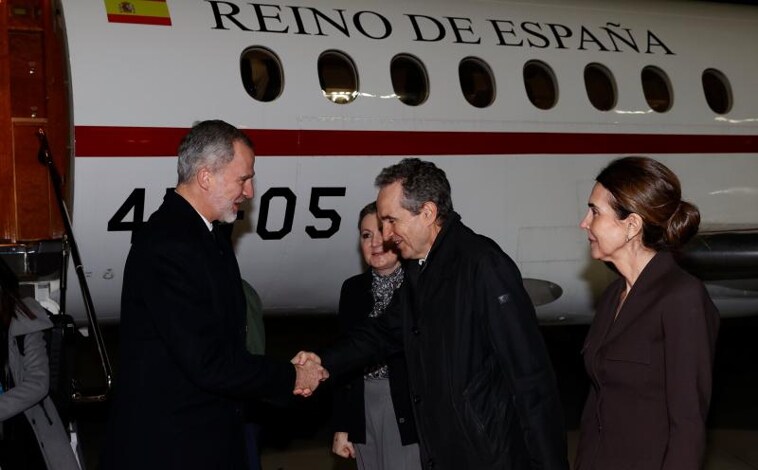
100, 141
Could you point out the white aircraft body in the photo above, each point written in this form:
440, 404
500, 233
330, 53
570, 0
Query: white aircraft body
521, 151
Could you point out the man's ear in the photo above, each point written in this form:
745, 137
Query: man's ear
204, 178
429, 212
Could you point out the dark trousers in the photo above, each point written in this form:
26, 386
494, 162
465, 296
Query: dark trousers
252, 434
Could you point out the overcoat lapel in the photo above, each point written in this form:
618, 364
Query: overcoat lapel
601, 326
423, 277
365, 297
643, 293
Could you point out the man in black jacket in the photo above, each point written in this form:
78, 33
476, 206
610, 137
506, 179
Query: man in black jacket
483, 390
183, 368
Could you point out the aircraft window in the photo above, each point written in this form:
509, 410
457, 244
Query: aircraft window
600, 86
338, 77
657, 89
718, 92
541, 86
262, 74
477, 82
409, 79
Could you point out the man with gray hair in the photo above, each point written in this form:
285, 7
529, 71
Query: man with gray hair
483, 390
184, 371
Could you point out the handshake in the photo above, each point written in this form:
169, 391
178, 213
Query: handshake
309, 373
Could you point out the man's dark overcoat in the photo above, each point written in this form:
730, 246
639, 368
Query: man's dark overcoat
650, 372
483, 389
183, 366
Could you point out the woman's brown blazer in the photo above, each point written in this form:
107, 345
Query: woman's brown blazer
650, 373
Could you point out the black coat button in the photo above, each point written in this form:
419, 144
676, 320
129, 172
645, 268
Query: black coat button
416, 399
415, 331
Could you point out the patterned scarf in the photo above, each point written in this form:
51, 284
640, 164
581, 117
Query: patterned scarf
382, 287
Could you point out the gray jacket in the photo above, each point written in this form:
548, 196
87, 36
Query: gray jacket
31, 375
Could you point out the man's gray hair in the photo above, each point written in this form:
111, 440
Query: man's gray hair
422, 182
208, 144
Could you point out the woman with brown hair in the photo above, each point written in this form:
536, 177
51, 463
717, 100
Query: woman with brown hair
373, 418
32, 434
649, 351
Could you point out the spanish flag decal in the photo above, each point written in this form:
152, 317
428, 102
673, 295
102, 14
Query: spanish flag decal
138, 12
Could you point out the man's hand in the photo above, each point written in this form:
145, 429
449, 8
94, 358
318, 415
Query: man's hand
309, 374
342, 446
304, 356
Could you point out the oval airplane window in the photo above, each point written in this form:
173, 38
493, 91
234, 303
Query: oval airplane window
477, 82
718, 92
600, 86
657, 89
262, 74
338, 77
541, 86
409, 79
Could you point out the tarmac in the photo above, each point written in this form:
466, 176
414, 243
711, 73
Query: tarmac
727, 450
298, 437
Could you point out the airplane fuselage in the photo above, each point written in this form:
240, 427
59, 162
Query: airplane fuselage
521, 160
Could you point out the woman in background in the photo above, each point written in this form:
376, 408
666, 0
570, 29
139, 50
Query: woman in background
649, 352
33, 436
373, 419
